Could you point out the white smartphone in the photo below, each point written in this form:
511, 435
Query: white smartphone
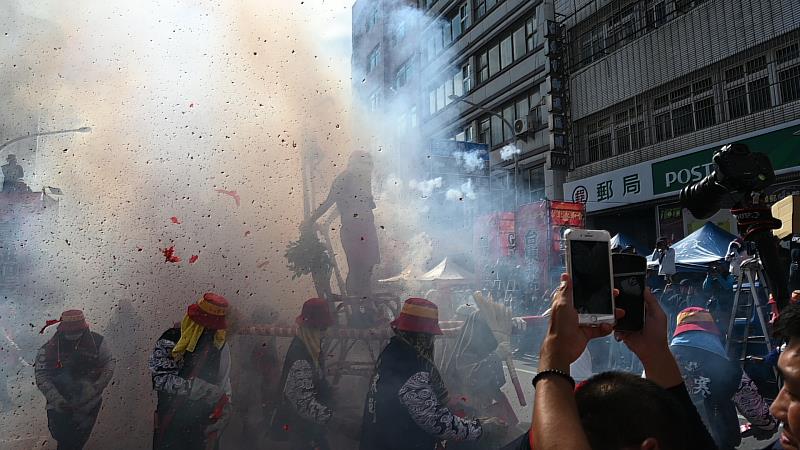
589, 265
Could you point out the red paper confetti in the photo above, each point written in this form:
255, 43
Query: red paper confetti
193, 259
233, 194
169, 255
175, 220
286, 427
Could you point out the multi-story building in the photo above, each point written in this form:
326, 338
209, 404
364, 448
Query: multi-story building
465, 70
657, 85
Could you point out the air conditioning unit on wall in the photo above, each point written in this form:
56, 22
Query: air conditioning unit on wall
521, 126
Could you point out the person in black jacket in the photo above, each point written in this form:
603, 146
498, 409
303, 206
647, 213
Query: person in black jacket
72, 370
406, 405
190, 368
611, 411
304, 412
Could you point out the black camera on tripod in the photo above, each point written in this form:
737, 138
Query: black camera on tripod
741, 175
737, 170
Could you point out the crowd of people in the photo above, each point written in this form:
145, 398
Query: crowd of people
690, 395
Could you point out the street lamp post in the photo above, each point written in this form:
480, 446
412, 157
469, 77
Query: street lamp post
44, 133
456, 98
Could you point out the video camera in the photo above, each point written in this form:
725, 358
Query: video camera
742, 175
736, 170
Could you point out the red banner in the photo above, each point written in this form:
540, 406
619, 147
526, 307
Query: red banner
494, 237
565, 215
532, 235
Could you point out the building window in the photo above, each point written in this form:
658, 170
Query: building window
466, 78
704, 115
600, 147
734, 73
621, 27
661, 102
440, 96
756, 65
497, 130
788, 53
372, 20
469, 133
536, 183
593, 44
375, 101
483, 67
455, 23
702, 86
399, 32
758, 92
494, 59
737, 102
463, 15
402, 122
682, 121
501, 54
789, 80
506, 53
530, 33
655, 13
662, 127
403, 75
374, 58
623, 140
412, 114
484, 131
481, 6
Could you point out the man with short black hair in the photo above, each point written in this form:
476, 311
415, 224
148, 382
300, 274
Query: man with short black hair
649, 413
786, 407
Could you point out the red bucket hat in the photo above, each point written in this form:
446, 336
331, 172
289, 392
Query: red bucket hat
72, 320
315, 313
696, 319
209, 311
419, 316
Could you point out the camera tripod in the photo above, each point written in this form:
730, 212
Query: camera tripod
751, 271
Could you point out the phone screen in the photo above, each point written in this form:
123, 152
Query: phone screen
591, 277
629, 275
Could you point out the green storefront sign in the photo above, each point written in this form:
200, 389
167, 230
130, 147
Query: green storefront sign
781, 146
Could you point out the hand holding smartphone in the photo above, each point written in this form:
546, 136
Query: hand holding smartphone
590, 266
629, 279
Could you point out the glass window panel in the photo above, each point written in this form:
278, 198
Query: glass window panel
519, 43
759, 94
704, 116
737, 102
522, 108
497, 131
508, 114
458, 84
682, 121
506, 52
790, 84
494, 60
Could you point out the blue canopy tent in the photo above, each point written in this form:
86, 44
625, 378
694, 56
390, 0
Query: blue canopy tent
696, 251
620, 241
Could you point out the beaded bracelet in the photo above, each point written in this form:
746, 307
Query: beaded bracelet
559, 373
